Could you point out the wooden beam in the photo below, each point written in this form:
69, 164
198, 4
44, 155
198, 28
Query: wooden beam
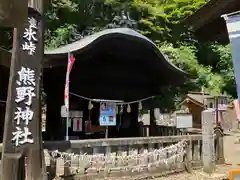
12, 12
212, 10
195, 21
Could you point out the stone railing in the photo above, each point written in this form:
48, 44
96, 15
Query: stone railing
124, 156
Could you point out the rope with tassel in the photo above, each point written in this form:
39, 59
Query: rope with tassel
90, 105
117, 103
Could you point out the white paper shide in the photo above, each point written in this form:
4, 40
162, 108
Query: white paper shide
29, 36
23, 115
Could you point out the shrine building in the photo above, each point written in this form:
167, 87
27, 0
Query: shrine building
119, 64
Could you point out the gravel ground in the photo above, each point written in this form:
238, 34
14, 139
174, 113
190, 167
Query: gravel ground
220, 174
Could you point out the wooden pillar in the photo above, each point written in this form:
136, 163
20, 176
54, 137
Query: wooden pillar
22, 130
35, 164
4, 76
152, 119
55, 129
134, 125
54, 125
1, 82
141, 129
2, 104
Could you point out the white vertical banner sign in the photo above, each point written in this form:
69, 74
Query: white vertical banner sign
233, 27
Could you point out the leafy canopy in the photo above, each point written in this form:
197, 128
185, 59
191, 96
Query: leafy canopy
160, 20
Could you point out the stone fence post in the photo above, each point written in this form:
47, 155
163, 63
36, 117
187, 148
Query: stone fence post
208, 149
219, 146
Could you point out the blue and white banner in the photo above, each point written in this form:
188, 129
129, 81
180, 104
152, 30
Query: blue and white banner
233, 26
107, 114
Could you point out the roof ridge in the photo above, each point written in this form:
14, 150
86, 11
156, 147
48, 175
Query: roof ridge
198, 93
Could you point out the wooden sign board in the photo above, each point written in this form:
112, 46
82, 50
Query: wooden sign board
146, 119
76, 113
22, 128
63, 111
184, 120
222, 107
71, 113
77, 124
22, 122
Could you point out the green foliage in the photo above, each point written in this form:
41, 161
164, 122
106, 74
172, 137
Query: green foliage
202, 76
225, 68
161, 20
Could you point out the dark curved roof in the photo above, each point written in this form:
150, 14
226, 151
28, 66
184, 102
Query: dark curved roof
87, 42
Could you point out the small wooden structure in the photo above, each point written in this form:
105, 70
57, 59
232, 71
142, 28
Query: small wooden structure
207, 22
196, 102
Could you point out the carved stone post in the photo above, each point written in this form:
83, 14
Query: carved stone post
208, 150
